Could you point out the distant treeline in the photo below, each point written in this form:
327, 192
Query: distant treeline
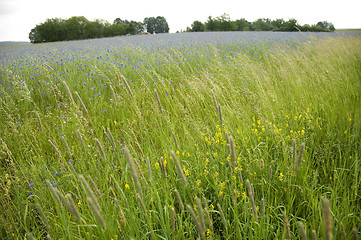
223, 23
77, 28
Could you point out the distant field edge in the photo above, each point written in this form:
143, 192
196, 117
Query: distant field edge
348, 30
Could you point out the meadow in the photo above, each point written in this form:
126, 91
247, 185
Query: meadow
237, 135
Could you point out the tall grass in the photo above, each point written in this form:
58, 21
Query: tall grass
214, 118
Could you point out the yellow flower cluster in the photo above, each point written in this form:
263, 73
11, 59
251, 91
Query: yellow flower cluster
217, 139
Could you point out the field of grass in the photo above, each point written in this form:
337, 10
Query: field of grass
183, 136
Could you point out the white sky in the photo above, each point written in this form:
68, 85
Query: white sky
18, 17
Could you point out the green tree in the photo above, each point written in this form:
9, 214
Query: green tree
262, 24
149, 24
212, 24
242, 25
225, 23
156, 25
197, 26
75, 28
95, 29
327, 26
277, 24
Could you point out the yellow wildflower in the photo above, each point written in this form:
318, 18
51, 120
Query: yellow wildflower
198, 182
281, 176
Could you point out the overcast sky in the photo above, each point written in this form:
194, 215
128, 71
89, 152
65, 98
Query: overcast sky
18, 17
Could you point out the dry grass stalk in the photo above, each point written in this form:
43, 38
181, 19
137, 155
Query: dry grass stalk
300, 156
72, 169
208, 217
327, 218
55, 148
162, 167
302, 230
158, 101
354, 234
261, 163
235, 198
111, 139
232, 152
74, 209
200, 214
141, 203
121, 213
125, 199
172, 218
175, 141
48, 237
90, 179
81, 103
287, 225
262, 208
113, 94
179, 169
314, 235
96, 212
343, 233
39, 121
196, 222
251, 199
68, 91
63, 200
125, 83
100, 149
81, 139
180, 202
270, 173
240, 176
220, 115
214, 101
222, 216
52, 190
66, 145
89, 191
30, 236
294, 152
42, 216
133, 171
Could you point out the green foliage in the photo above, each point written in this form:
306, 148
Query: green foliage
156, 25
77, 28
197, 26
223, 23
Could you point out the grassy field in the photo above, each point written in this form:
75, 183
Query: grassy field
151, 137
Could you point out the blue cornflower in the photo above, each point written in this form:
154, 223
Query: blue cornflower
31, 184
31, 192
56, 173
